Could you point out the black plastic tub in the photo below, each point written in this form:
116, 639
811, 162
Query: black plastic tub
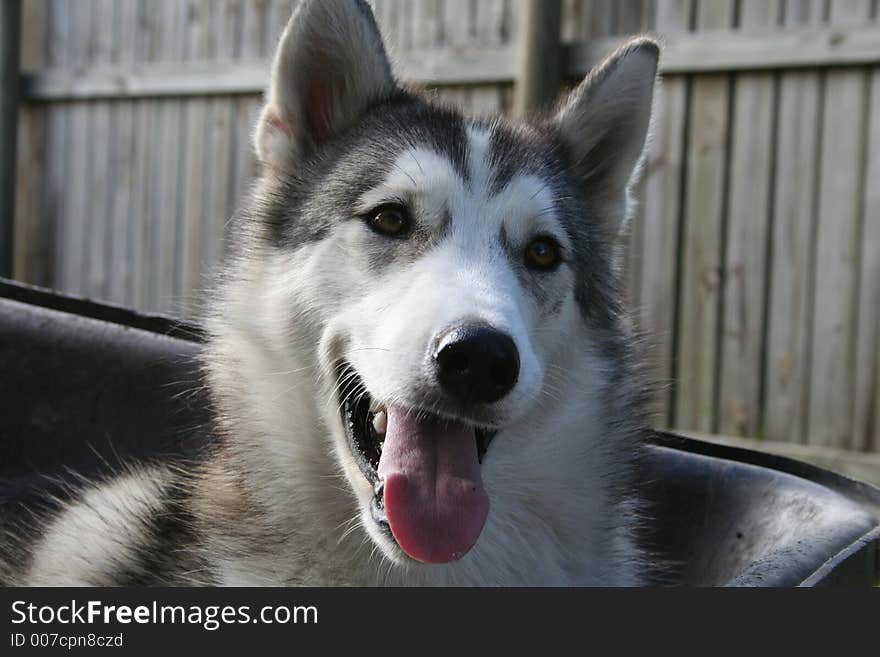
85, 385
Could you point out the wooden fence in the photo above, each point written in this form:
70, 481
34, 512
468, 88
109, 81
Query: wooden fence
755, 259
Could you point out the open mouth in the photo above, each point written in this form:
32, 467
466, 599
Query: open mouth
366, 422
425, 471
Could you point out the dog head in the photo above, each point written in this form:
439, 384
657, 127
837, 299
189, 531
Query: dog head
448, 284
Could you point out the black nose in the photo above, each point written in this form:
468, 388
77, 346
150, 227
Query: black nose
476, 363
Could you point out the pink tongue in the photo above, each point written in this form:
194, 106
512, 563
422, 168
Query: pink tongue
434, 496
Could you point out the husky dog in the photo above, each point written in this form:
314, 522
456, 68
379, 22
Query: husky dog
420, 365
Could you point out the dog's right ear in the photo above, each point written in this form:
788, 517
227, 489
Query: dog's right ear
329, 66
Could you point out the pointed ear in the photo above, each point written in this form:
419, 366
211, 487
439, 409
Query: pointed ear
604, 123
329, 66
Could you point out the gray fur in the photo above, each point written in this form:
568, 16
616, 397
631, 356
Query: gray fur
349, 164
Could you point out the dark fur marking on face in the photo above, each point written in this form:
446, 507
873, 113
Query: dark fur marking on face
380, 252
303, 207
504, 239
515, 149
537, 149
598, 286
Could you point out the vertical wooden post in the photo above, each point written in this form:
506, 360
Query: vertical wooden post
10, 43
539, 65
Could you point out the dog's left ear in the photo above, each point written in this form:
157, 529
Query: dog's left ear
604, 123
329, 66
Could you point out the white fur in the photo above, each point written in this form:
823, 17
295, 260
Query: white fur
468, 277
98, 533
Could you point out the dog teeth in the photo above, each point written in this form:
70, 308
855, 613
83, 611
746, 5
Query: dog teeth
380, 423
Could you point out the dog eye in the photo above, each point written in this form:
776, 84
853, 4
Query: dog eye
389, 220
543, 253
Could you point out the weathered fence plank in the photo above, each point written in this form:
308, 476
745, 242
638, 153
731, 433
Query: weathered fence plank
195, 166
168, 168
99, 181
866, 407
33, 233
454, 22
57, 146
833, 352
245, 114
76, 217
660, 211
746, 243
786, 370
219, 203
703, 228
491, 30
122, 157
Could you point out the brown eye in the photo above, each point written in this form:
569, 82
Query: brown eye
543, 253
390, 220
